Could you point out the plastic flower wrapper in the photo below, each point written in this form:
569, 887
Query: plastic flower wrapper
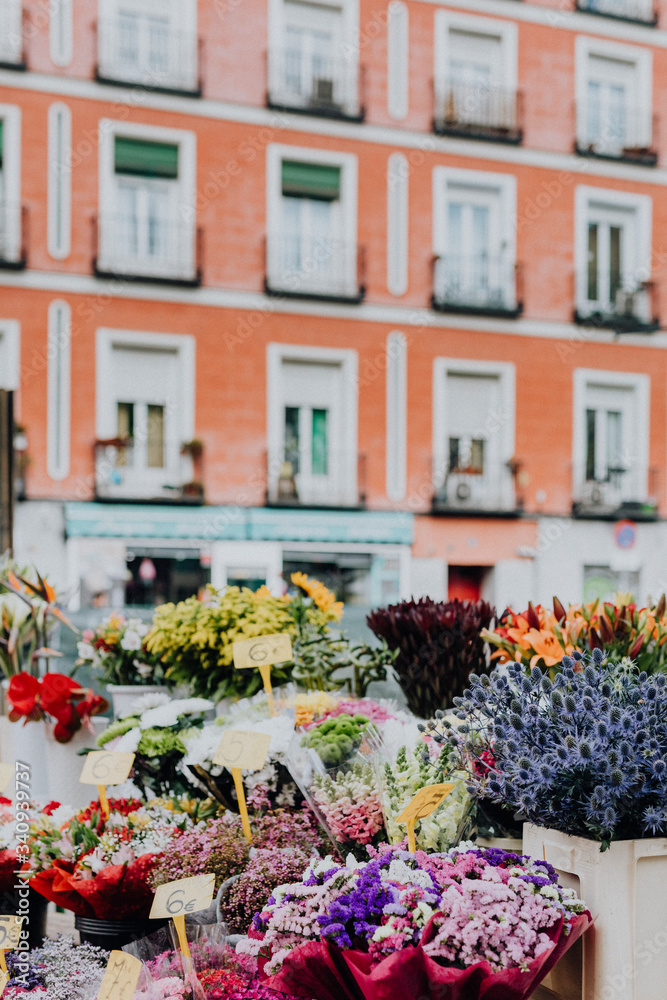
467, 924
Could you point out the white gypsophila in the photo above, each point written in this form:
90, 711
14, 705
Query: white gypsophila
127, 743
148, 701
143, 669
86, 651
131, 641
168, 715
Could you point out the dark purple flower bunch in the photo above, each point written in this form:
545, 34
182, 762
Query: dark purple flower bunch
585, 754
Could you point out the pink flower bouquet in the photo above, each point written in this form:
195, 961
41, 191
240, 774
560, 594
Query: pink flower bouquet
463, 925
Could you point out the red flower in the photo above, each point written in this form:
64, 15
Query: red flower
50, 808
92, 704
22, 693
57, 693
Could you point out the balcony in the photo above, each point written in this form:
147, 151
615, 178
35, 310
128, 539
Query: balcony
13, 236
492, 114
614, 495
327, 87
641, 11
485, 492
343, 487
632, 140
480, 285
148, 53
156, 250
119, 476
304, 267
12, 45
633, 307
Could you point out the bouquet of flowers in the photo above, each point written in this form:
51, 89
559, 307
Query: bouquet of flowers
584, 754
28, 613
58, 970
117, 648
542, 637
54, 697
100, 867
12, 848
470, 922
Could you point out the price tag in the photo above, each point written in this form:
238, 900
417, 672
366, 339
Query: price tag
7, 772
10, 931
4, 979
242, 749
121, 977
186, 895
104, 767
262, 651
422, 805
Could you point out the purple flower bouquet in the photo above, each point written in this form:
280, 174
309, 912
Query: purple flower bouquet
463, 925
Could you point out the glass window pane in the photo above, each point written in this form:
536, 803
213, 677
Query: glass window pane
590, 444
320, 451
477, 455
158, 44
155, 443
125, 420
292, 437
593, 111
128, 40
615, 276
592, 292
454, 454
614, 440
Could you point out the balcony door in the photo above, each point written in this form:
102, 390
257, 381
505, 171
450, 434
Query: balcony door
611, 105
610, 265
143, 44
608, 447
312, 67
312, 431
312, 256
475, 73
473, 271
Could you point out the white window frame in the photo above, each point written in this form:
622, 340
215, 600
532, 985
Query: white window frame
10, 355
182, 345
506, 185
642, 207
585, 47
183, 19
11, 171
275, 154
186, 185
350, 49
347, 360
641, 387
446, 21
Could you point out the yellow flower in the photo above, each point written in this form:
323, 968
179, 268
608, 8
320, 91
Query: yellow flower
319, 594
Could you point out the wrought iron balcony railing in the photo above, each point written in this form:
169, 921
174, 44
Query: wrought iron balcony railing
309, 267
487, 490
615, 492
322, 85
13, 235
342, 483
156, 250
631, 307
148, 53
481, 284
632, 137
120, 476
478, 112
643, 11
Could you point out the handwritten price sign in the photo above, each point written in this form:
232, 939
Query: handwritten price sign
186, 895
103, 767
10, 931
7, 772
121, 977
242, 749
262, 651
422, 805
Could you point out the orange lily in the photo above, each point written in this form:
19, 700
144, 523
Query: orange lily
547, 648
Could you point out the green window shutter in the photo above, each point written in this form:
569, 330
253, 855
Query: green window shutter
1, 124
145, 159
310, 180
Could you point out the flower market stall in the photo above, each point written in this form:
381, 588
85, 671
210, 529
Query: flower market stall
505, 842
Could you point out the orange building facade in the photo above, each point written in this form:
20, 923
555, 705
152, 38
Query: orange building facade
368, 289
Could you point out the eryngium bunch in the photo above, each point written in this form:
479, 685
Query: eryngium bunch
438, 645
585, 754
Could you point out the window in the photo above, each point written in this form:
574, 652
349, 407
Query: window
312, 446
11, 236
145, 414
311, 247
152, 43
613, 254
474, 435
9, 355
11, 33
313, 67
602, 583
631, 10
475, 267
614, 116
475, 77
147, 188
611, 438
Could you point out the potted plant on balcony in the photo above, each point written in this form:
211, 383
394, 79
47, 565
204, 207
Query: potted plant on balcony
194, 449
117, 649
583, 759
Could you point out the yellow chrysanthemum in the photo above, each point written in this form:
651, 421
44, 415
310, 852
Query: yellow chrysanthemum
319, 594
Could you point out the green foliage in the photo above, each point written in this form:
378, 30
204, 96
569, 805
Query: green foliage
328, 662
336, 740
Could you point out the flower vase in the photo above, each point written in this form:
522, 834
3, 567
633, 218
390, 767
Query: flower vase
123, 696
63, 764
623, 956
28, 745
